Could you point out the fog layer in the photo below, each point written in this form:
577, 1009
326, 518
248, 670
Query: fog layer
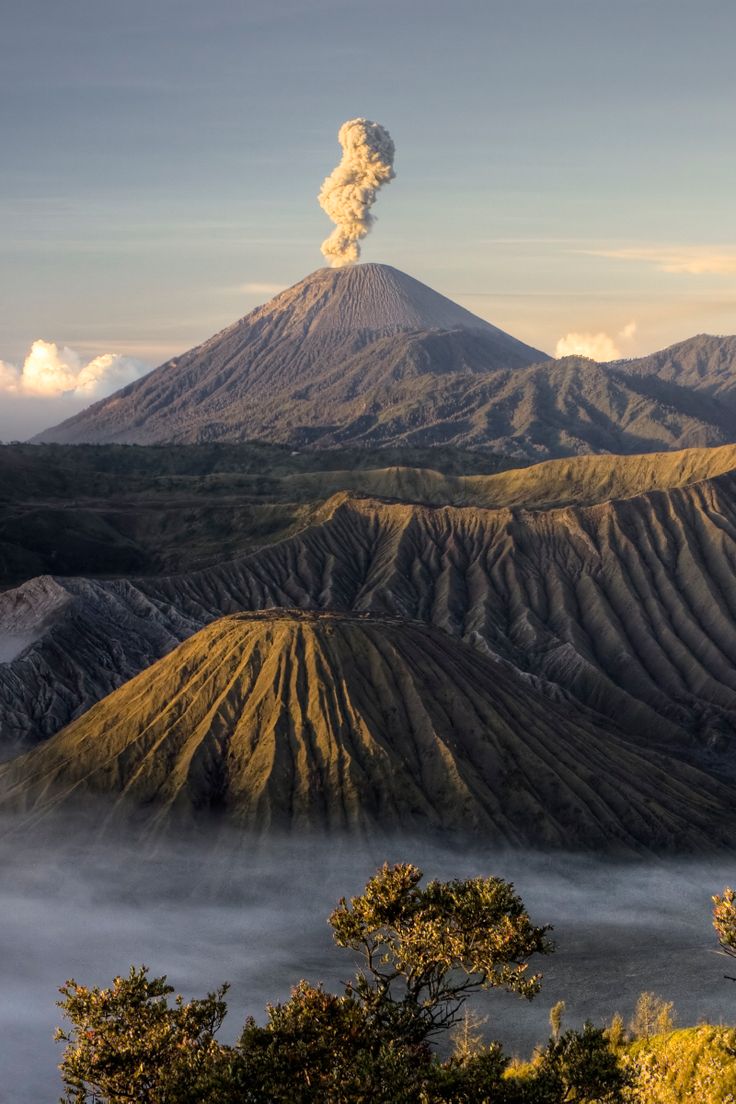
256, 917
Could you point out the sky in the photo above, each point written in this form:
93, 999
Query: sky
565, 170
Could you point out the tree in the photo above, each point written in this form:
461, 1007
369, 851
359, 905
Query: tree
724, 922
580, 1067
556, 1012
653, 1016
467, 1036
319, 1048
425, 950
616, 1032
128, 1044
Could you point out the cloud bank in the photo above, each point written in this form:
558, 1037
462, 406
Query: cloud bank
350, 190
50, 370
54, 382
596, 346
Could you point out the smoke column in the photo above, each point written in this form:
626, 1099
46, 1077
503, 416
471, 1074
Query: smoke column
350, 190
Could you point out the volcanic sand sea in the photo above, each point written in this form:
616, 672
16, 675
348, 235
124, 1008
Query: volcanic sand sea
258, 919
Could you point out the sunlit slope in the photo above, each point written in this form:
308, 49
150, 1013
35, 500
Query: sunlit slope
581, 480
306, 721
627, 605
108, 510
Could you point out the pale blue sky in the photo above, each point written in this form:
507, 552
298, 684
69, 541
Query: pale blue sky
161, 155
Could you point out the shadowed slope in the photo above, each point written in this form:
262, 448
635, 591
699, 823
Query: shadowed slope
301, 721
628, 606
705, 363
102, 510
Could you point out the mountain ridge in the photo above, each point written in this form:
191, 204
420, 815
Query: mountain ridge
602, 603
368, 356
312, 335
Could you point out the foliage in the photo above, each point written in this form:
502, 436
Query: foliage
556, 1012
320, 1047
724, 920
425, 950
128, 1043
580, 1066
652, 1016
694, 1065
616, 1032
466, 1036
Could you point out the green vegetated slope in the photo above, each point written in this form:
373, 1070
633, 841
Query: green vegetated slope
580, 480
321, 721
121, 510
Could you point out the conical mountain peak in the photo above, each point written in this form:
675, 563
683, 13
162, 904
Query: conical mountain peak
326, 361
371, 298
318, 721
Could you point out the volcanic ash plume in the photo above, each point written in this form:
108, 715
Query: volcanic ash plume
349, 192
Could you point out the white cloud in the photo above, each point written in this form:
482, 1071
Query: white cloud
9, 377
596, 346
687, 260
50, 370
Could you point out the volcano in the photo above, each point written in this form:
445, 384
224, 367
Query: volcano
367, 356
319, 721
346, 354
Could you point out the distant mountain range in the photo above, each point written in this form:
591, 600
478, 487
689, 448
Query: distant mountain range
367, 356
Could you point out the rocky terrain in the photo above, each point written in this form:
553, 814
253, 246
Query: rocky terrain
296, 721
625, 607
367, 356
334, 346
107, 510
361, 452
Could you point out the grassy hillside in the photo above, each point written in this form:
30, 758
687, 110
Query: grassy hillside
694, 1065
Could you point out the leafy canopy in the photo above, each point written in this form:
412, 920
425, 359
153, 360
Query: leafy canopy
424, 950
127, 1043
724, 920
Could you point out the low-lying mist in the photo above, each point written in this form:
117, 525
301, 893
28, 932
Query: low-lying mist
255, 916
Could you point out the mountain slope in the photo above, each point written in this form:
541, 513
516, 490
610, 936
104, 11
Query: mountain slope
367, 356
297, 721
705, 364
626, 606
341, 337
105, 510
